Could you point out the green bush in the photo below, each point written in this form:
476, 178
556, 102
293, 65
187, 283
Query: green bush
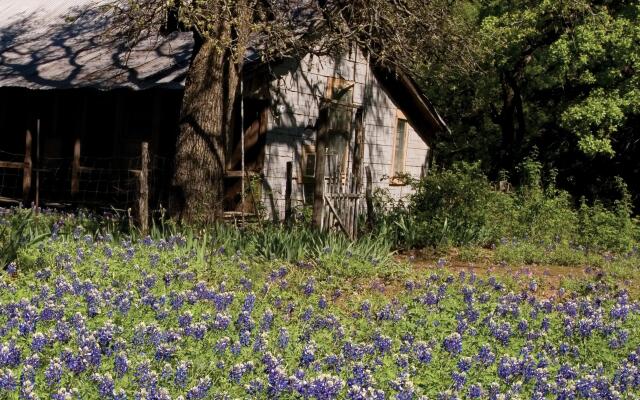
460, 207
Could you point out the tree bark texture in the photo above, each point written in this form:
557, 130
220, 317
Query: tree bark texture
205, 125
211, 96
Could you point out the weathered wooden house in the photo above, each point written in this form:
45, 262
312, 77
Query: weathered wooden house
90, 97
396, 123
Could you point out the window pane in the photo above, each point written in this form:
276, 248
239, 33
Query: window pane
401, 140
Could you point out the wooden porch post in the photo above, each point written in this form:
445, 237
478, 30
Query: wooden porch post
75, 168
369, 198
27, 169
143, 199
358, 152
287, 194
321, 146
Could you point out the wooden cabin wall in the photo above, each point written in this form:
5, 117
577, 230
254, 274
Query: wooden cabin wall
296, 94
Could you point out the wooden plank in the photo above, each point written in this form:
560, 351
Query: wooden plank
75, 168
369, 197
321, 146
337, 217
238, 174
358, 151
38, 165
12, 165
287, 194
28, 166
143, 199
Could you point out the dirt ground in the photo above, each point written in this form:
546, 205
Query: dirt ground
550, 278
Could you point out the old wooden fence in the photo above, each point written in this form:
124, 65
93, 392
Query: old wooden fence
125, 183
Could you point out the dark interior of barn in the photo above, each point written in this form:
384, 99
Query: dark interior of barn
88, 135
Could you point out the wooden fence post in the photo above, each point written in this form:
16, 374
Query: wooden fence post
358, 152
75, 168
369, 197
143, 199
27, 168
38, 167
321, 146
287, 194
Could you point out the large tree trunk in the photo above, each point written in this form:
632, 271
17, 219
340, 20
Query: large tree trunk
212, 89
205, 125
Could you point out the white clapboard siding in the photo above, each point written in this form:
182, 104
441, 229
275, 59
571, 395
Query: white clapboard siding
299, 91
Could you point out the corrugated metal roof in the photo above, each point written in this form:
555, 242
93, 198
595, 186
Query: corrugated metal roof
48, 44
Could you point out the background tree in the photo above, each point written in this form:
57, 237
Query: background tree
557, 76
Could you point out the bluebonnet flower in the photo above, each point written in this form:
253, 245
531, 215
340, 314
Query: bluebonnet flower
164, 352
402, 361
485, 356
283, 338
182, 371
260, 344
325, 387
508, 367
236, 348
66, 394
38, 342
382, 343
10, 355
239, 370
221, 322
267, 320
459, 379
197, 330
453, 343
359, 393
121, 364
201, 390
245, 338
249, 302
464, 364
53, 374
404, 387
255, 387
309, 286
365, 307
106, 386
278, 381
308, 313
7, 381
475, 391
222, 344
322, 303
308, 354
423, 352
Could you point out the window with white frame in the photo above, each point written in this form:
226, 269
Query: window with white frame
399, 151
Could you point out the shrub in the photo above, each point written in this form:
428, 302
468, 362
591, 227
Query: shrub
460, 207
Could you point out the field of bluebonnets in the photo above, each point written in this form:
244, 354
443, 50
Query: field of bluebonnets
86, 314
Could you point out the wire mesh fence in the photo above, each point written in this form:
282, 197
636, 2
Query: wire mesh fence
92, 182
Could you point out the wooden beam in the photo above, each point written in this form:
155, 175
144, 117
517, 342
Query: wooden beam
321, 146
238, 174
287, 194
369, 197
11, 165
75, 168
143, 199
28, 167
358, 152
337, 217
